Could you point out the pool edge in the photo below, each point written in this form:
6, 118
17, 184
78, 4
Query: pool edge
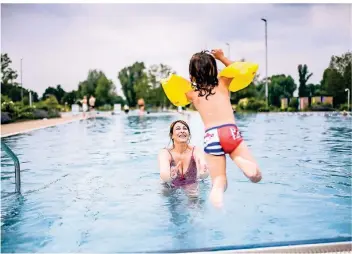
321, 245
337, 247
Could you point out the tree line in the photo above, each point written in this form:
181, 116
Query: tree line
138, 81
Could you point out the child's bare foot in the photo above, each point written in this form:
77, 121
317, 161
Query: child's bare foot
216, 196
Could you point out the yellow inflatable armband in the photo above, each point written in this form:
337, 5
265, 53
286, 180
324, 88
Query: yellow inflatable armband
242, 73
175, 88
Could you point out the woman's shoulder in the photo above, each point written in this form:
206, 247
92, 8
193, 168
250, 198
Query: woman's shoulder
164, 152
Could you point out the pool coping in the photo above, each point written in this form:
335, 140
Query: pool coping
338, 247
335, 245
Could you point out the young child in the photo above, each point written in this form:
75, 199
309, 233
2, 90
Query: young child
211, 98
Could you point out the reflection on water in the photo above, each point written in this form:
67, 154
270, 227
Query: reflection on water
93, 186
185, 209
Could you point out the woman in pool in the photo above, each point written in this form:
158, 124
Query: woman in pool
183, 164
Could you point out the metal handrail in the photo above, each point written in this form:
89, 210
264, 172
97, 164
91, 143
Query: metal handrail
17, 165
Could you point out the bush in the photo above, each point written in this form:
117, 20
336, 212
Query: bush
52, 102
290, 109
264, 109
5, 117
242, 104
273, 108
251, 104
293, 104
8, 106
255, 105
106, 107
40, 114
322, 107
5, 98
344, 107
53, 113
25, 115
18, 111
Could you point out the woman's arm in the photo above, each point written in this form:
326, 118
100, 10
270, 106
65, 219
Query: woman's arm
201, 163
164, 166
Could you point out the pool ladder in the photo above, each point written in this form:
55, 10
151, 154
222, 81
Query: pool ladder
17, 165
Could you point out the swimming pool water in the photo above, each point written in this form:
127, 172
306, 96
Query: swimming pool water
93, 186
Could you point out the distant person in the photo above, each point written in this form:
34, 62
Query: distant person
91, 104
141, 105
84, 105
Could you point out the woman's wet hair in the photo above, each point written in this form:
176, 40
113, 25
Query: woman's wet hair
204, 73
173, 125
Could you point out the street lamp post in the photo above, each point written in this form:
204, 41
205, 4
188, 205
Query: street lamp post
229, 47
266, 61
21, 83
348, 98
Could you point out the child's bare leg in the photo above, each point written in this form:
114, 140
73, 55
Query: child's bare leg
217, 170
245, 161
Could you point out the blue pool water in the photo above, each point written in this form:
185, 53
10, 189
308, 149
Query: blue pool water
93, 186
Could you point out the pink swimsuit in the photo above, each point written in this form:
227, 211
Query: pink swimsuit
190, 176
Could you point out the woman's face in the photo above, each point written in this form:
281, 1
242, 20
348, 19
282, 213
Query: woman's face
180, 133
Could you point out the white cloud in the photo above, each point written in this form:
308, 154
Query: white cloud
61, 43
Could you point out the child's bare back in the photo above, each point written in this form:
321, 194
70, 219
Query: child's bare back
216, 109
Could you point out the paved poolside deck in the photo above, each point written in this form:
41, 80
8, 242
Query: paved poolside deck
25, 126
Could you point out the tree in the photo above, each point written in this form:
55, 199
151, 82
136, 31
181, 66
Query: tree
103, 90
314, 90
157, 95
333, 84
133, 79
337, 77
58, 92
88, 86
70, 98
304, 76
8, 74
281, 86
248, 92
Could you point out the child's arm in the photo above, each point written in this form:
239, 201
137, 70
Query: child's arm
219, 55
189, 96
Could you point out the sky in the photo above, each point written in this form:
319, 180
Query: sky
60, 43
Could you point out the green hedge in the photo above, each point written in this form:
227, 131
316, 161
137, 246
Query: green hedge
14, 111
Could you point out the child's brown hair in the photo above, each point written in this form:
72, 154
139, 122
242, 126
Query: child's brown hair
203, 73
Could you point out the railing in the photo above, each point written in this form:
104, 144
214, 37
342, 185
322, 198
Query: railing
17, 165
